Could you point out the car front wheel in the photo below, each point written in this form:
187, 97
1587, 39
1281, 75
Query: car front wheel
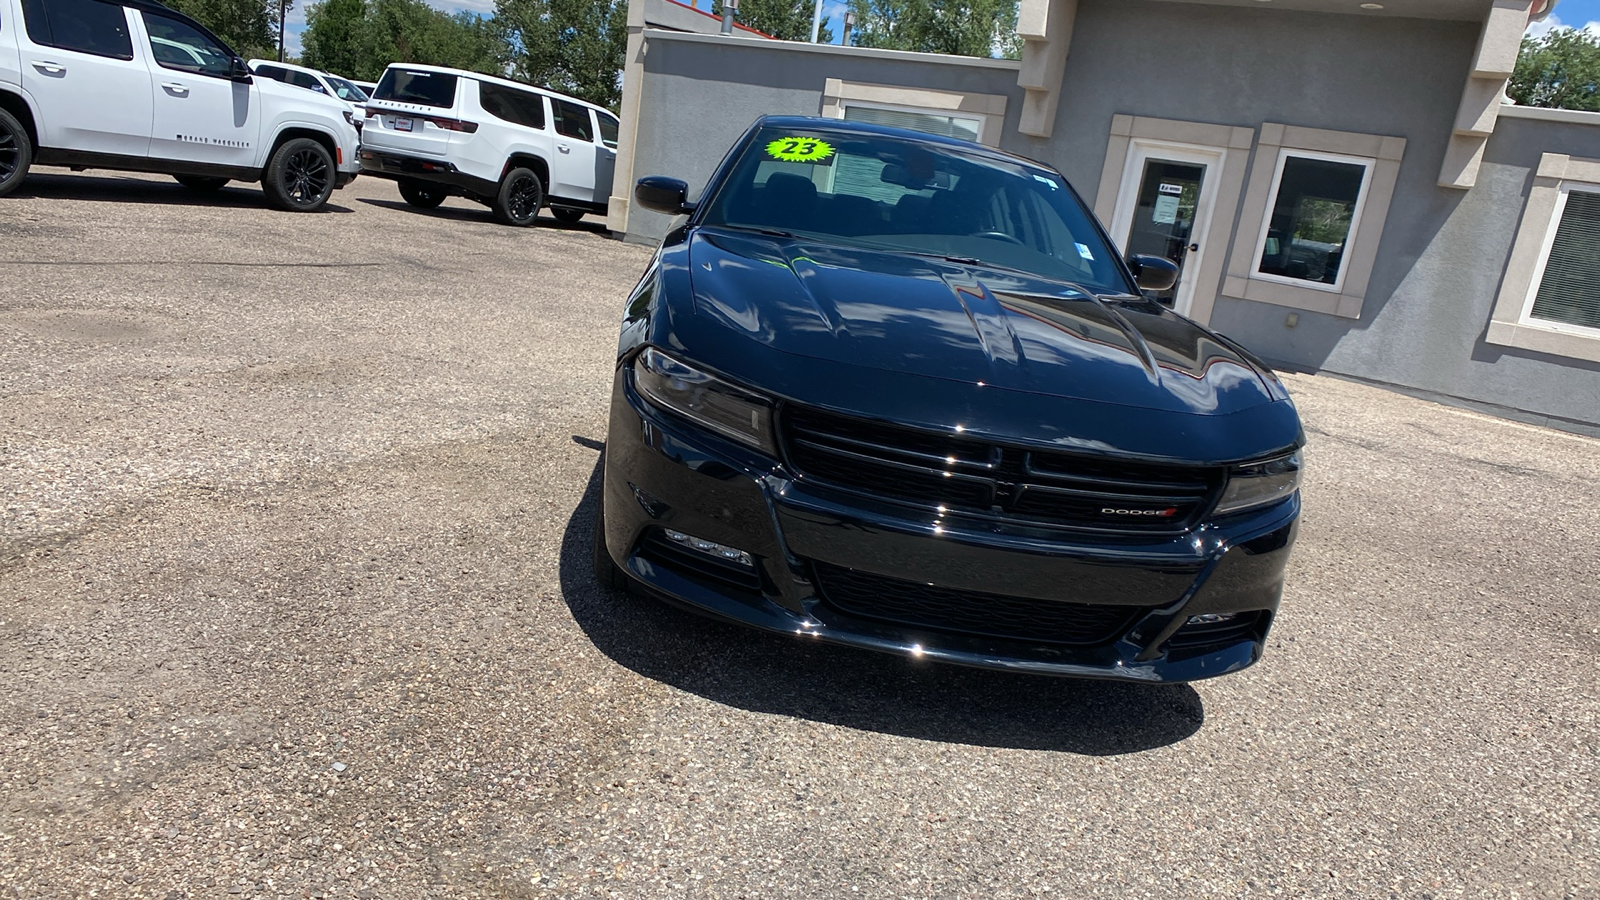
300, 177
16, 153
519, 198
201, 182
421, 194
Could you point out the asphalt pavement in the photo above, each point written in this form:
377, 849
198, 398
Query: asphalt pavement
295, 602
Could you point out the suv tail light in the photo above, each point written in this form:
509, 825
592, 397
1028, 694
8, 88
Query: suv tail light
453, 124
437, 121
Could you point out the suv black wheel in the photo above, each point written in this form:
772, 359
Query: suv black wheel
421, 194
201, 182
16, 153
519, 198
566, 215
300, 177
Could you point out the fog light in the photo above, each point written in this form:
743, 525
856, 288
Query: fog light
711, 548
1212, 618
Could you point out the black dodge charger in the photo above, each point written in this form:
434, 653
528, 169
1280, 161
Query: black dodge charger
899, 392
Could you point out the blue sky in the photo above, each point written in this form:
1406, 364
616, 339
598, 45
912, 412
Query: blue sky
1574, 13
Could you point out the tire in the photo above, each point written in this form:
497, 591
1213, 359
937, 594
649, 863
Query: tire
519, 198
201, 183
422, 195
606, 571
566, 215
16, 153
300, 177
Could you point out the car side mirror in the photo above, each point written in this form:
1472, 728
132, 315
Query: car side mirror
1153, 273
663, 194
240, 71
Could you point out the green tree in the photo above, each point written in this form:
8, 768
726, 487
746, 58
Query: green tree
337, 38
250, 27
572, 46
359, 38
1560, 70
956, 27
786, 20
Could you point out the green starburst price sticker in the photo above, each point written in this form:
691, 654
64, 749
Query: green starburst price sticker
799, 149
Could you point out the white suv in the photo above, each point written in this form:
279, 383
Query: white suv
312, 80
513, 147
133, 85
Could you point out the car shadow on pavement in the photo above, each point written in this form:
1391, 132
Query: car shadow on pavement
477, 213
767, 673
113, 189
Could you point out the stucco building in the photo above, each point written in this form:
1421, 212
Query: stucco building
1340, 181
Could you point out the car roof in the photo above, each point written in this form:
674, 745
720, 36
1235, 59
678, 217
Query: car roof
506, 82
819, 123
290, 66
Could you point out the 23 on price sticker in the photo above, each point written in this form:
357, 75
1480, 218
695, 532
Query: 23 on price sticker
799, 149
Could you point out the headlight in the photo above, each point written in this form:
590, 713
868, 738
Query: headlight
1260, 483
350, 117
708, 400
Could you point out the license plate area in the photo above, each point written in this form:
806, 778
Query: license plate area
402, 123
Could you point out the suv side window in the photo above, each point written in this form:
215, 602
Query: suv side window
518, 107
181, 46
572, 120
87, 26
307, 81
273, 72
608, 129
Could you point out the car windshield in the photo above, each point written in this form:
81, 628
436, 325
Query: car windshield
347, 91
907, 195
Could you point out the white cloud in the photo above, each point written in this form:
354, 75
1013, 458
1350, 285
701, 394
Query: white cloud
1540, 29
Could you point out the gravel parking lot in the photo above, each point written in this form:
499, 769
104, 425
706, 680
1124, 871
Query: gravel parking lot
295, 602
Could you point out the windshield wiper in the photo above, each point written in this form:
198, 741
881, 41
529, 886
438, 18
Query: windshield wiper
769, 232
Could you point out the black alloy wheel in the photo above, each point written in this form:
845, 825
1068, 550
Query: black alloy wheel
300, 177
566, 215
421, 194
521, 195
203, 183
16, 153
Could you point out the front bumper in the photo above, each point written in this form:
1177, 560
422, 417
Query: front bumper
1132, 600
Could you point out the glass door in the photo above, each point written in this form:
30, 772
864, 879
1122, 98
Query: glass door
1164, 209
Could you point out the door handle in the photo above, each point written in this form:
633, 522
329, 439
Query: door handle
50, 68
563, 148
173, 87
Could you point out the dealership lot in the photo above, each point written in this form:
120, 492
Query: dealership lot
295, 600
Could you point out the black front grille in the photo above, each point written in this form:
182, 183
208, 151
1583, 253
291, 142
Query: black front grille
699, 566
910, 603
969, 475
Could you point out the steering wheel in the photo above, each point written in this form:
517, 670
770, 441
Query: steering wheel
997, 235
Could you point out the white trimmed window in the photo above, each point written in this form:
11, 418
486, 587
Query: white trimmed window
967, 128
972, 117
1314, 210
1312, 217
1549, 300
1566, 284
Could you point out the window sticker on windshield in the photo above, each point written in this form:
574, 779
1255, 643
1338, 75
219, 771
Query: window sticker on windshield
1084, 251
799, 149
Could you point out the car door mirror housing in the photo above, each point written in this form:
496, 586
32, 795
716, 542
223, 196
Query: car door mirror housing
240, 71
663, 194
1153, 273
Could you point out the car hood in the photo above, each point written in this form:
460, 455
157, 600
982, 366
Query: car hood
966, 323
